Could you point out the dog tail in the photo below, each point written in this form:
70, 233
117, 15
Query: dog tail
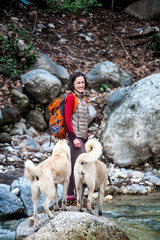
30, 170
93, 150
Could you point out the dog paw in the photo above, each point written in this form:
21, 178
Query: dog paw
36, 229
100, 213
51, 216
57, 209
90, 211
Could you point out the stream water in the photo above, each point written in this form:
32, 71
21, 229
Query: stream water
137, 216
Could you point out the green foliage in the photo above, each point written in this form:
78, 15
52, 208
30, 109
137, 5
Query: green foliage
156, 46
69, 6
6, 128
104, 87
78, 5
14, 60
21, 32
132, 107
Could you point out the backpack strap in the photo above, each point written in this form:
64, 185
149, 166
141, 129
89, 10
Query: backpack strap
76, 102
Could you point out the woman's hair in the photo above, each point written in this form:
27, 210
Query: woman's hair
72, 79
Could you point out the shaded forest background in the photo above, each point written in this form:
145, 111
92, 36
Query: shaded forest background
131, 43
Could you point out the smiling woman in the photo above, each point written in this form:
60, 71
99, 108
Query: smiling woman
76, 124
79, 84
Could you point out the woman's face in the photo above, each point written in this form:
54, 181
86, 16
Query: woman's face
79, 84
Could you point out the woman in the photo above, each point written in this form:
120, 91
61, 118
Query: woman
76, 125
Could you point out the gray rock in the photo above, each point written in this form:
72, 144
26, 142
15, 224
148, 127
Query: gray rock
5, 137
47, 146
144, 9
35, 119
20, 124
16, 131
9, 203
117, 97
8, 116
41, 85
151, 178
92, 113
135, 189
19, 100
131, 134
107, 73
73, 225
46, 63
29, 144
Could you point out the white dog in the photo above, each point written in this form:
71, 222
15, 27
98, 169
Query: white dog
56, 169
91, 173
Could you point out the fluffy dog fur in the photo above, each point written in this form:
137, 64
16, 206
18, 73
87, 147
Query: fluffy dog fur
91, 173
56, 169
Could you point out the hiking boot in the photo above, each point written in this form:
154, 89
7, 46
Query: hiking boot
71, 202
74, 203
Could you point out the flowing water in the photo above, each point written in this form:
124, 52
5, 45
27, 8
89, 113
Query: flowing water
137, 216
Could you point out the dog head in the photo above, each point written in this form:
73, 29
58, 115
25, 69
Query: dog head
61, 145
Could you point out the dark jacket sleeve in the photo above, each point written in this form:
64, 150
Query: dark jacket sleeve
69, 106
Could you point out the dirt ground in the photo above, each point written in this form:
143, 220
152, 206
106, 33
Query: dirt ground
115, 36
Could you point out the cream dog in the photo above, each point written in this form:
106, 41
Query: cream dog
56, 169
91, 173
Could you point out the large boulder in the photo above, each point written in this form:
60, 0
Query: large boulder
131, 134
144, 9
8, 115
45, 62
41, 85
5, 137
35, 119
72, 225
9, 203
19, 100
107, 73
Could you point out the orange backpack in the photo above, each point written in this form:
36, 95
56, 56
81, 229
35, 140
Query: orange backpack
56, 111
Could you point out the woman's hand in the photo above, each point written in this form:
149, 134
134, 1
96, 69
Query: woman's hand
77, 143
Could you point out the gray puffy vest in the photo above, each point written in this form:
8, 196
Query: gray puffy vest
80, 119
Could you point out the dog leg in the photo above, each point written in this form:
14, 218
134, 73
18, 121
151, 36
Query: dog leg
56, 207
65, 189
79, 194
91, 190
46, 205
35, 199
49, 191
100, 200
82, 194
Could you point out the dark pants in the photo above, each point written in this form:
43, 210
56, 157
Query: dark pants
74, 154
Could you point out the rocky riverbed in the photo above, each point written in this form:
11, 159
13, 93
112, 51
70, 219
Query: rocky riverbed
27, 143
